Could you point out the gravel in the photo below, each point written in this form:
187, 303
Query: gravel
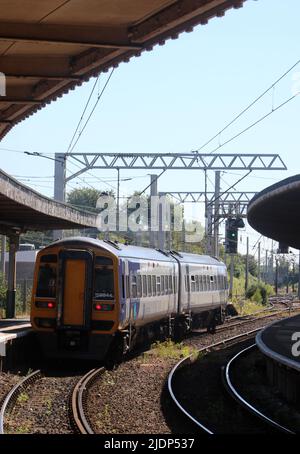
130, 399
7, 381
199, 389
255, 388
43, 408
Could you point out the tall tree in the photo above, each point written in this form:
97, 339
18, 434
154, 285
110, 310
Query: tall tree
86, 198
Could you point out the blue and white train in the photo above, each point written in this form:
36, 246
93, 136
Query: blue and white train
97, 299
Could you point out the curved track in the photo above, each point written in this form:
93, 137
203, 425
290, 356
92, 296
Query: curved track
225, 343
233, 391
78, 412
13, 395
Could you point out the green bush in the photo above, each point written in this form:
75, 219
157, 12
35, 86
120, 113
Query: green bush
259, 292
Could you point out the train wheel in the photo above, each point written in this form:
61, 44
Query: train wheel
116, 351
180, 329
222, 315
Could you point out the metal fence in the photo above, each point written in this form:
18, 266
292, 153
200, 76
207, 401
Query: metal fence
23, 297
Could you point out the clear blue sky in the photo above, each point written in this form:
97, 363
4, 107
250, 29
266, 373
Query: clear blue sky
176, 97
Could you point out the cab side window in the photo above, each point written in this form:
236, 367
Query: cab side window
46, 286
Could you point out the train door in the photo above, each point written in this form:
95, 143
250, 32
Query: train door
188, 286
126, 289
75, 296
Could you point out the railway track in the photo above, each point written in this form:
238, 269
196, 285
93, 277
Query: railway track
237, 395
11, 398
250, 418
76, 402
78, 413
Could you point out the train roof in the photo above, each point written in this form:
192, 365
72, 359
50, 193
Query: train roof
138, 252
187, 257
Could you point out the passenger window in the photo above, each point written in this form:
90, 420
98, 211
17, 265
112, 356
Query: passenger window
46, 286
154, 285
170, 285
197, 283
193, 283
103, 284
139, 285
133, 286
149, 286
158, 285
200, 283
127, 286
166, 285
207, 283
144, 285
162, 285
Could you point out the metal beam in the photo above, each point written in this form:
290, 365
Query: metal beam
217, 212
199, 196
192, 12
5, 100
232, 209
39, 76
91, 37
176, 161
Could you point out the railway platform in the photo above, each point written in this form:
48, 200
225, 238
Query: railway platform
15, 336
280, 345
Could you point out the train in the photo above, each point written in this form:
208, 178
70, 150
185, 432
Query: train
96, 299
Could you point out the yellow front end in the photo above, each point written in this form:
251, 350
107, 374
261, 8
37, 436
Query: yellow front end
75, 301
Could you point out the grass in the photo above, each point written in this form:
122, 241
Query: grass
23, 397
248, 307
48, 403
108, 379
104, 416
169, 350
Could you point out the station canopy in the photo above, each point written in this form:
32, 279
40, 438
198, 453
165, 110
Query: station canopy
23, 209
48, 47
275, 212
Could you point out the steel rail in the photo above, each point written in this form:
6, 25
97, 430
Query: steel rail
240, 399
225, 342
78, 401
13, 395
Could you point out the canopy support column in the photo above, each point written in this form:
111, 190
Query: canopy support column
11, 291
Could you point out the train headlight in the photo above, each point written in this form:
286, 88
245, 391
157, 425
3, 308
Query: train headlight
45, 304
103, 307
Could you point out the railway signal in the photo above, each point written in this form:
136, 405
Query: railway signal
231, 234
